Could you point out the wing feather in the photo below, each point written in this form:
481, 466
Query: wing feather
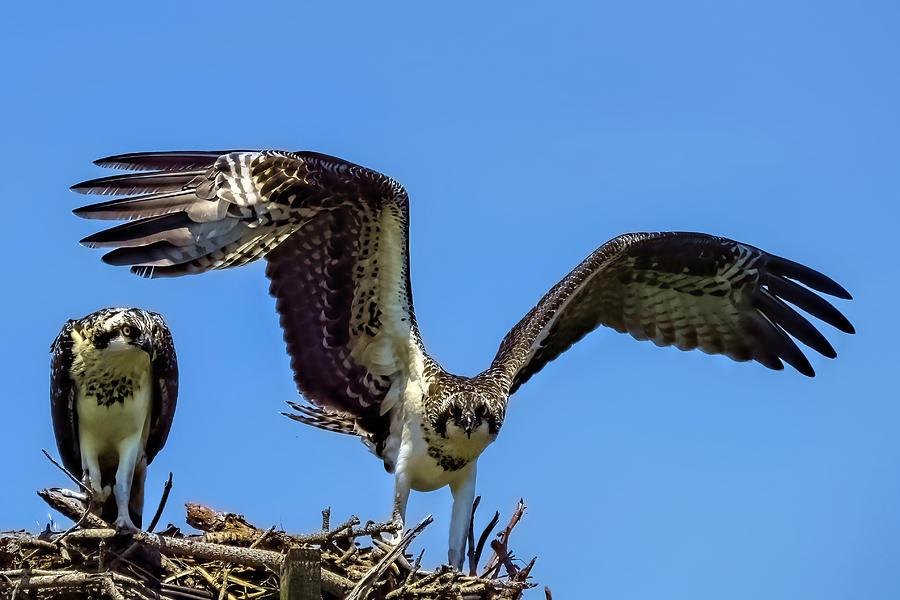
62, 400
335, 237
687, 290
164, 364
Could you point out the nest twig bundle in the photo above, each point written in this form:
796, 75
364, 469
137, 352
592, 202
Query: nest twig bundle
233, 560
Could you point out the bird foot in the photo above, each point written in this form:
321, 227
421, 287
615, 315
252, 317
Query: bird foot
398, 534
124, 524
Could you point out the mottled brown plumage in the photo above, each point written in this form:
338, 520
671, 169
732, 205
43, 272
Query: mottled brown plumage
335, 237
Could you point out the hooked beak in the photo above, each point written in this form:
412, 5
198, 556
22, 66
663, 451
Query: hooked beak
468, 423
146, 344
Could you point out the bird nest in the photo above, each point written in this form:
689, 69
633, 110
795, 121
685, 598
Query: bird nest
233, 559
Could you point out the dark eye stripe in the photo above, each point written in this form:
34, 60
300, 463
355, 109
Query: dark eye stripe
101, 340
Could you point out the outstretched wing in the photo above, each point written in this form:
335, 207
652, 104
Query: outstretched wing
688, 290
62, 400
164, 365
335, 236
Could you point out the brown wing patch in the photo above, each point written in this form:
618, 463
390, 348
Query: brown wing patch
687, 290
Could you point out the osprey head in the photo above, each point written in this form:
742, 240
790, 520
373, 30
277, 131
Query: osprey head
120, 330
470, 411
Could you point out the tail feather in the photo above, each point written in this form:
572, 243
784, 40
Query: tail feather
322, 419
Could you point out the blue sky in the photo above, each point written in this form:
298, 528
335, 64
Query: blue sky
527, 135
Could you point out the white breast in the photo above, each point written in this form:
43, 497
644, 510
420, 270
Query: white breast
103, 426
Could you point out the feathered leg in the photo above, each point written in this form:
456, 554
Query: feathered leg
129, 450
463, 490
136, 501
401, 497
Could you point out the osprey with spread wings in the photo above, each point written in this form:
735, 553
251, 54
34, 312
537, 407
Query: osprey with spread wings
335, 239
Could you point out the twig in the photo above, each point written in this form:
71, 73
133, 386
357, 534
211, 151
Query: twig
500, 545
415, 568
66, 471
484, 536
162, 504
88, 491
471, 539
226, 571
109, 586
375, 572
70, 507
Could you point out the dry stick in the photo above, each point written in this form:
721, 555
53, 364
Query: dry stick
375, 572
162, 503
109, 586
226, 571
415, 567
88, 491
70, 507
471, 539
213, 521
484, 536
251, 557
66, 471
504, 559
493, 564
27, 580
522, 575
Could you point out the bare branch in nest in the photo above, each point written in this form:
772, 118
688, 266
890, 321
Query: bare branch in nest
224, 527
62, 501
66, 471
162, 503
501, 547
362, 588
473, 566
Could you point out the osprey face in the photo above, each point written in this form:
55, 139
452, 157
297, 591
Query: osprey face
120, 333
470, 413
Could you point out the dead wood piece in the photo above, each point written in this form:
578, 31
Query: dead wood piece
162, 503
70, 507
362, 588
500, 546
74, 580
301, 577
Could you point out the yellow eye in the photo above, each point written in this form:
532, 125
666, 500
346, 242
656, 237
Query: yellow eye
126, 331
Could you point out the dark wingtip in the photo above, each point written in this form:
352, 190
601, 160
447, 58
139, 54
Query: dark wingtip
80, 188
87, 241
844, 325
805, 370
840, 292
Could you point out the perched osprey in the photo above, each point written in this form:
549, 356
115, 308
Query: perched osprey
335, 237
113, 388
